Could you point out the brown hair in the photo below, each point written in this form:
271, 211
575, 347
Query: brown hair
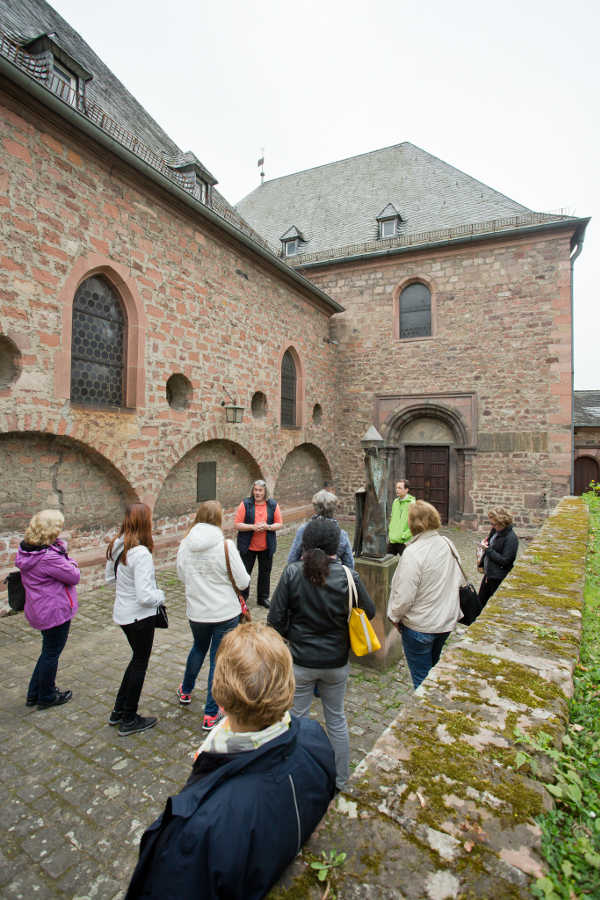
210, 512
404, 482
254, 678
501, 516
422, 516
44, 527
136, 530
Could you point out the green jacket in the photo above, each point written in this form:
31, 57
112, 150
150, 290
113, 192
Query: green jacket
399, 532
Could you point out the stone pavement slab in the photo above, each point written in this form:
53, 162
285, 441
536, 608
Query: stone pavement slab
76, 796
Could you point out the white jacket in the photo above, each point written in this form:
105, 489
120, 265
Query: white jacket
424, 594
137, 596
201, 566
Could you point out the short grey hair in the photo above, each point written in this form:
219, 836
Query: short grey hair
324, 503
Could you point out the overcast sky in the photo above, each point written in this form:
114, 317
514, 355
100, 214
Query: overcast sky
508, 92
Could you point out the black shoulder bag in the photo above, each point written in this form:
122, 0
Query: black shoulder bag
470, 604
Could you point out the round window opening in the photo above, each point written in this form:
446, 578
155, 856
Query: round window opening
179, 392
317, 414
259, 405
10, 362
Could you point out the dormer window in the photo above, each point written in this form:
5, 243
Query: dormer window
197, 179
292, 242
64, 83
389, 220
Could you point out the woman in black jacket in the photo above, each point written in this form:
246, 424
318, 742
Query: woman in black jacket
310, 609
501, 547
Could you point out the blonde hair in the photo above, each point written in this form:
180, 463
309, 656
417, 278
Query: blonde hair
422, 516
254, 678
209, 512
501, 516
45, 527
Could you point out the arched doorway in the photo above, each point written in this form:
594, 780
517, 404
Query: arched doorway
586, 470
431, 443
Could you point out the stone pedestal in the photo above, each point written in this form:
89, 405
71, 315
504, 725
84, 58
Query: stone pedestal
376, 575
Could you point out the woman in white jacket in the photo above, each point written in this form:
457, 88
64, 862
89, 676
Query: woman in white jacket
423, 600
213, 606
129, 562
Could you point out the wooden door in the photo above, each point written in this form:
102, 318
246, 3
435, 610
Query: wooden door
427, 473
586, 470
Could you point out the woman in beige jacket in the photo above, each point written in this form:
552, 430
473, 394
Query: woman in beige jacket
423, 601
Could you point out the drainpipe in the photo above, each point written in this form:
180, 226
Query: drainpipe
578, 239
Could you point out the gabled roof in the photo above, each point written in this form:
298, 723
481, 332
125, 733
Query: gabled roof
587, 408
292, 233
389, 212
338, 204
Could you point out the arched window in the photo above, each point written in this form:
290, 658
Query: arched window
414, 309
97, 344
288, 391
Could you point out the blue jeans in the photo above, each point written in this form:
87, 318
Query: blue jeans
422, 651
206, 634
42, 687
332, 690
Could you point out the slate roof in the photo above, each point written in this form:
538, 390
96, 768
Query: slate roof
587, 408
337, 204
24, 20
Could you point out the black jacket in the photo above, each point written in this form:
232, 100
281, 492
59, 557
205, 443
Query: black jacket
239, 821
314, 620
499, 559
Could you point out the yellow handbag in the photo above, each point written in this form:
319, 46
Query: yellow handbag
363, 639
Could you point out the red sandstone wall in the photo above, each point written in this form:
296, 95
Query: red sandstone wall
501, 313
204, 309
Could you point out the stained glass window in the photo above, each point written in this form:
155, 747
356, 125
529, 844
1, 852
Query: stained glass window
97, 344
288, 391
415, 311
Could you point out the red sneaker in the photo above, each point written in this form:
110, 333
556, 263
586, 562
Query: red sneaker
184, 699
210, 721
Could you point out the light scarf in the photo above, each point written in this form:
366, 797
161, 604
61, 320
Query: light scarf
223, 740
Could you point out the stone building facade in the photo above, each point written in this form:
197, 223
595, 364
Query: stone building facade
586, 422
138, 308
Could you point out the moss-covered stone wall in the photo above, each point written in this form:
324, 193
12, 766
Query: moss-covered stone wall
439, 808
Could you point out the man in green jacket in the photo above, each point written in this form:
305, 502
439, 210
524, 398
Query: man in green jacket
399, 533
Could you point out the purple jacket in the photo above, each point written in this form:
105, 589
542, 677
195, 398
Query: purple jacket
49, 578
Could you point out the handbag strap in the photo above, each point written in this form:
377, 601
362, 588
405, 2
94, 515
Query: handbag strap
117, 561
352, 592
456, 558
228, 564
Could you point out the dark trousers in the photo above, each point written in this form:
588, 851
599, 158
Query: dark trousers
140, 635
395, 549
265, 564
488, 587
206, 635
42, 687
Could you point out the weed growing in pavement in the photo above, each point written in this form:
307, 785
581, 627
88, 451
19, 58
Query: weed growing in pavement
571, 831
325, 866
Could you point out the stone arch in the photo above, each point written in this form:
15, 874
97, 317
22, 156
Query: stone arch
55, 471
304, 471
453, 433
119, 277
300, 382
234, 471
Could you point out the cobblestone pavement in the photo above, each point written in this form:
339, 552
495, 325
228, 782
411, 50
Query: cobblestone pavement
76, 796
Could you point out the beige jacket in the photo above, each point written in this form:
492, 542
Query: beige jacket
424, 593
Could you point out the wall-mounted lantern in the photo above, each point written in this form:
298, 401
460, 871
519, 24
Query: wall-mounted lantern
234, 414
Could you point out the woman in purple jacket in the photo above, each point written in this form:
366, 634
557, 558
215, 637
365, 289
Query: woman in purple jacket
49, 578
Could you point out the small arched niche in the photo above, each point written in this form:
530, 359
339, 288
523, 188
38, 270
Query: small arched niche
179, 391
10, 362
317, 414
259, 405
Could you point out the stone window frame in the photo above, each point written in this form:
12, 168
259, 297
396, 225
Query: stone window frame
414, 279
300, 381
135, 329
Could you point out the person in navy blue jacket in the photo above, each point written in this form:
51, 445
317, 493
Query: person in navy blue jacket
261, 783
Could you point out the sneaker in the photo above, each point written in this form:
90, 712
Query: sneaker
59, 698
31, 701
140, 723
115, 717
210, 721
184, 699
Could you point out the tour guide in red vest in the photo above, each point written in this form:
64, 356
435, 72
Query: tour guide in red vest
256, 520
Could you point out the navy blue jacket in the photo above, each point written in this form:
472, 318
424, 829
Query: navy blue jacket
244, 537
499, 559
239, 821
